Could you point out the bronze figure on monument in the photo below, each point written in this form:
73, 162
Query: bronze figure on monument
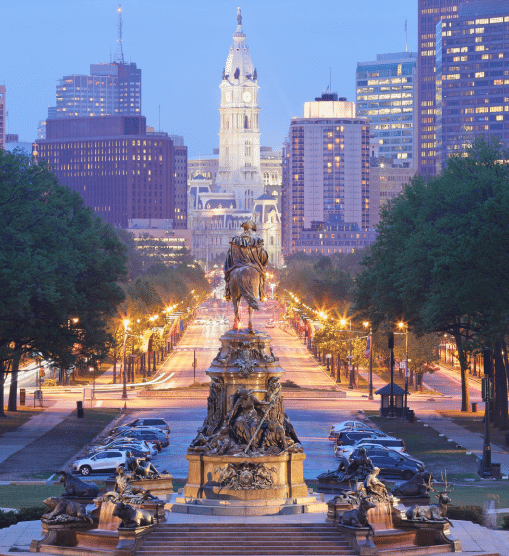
244, 272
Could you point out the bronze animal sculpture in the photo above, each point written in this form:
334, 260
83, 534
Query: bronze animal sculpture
244, 272
433, 512
358, 517
63, 506
132, 517
418, 485
75, 487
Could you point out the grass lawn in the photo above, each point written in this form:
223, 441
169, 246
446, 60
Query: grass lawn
19, 496
49, 453
15, 419
425, 444
474, 422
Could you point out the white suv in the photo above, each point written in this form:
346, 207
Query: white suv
108, 460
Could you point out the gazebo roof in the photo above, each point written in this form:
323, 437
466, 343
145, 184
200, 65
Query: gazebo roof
386, 390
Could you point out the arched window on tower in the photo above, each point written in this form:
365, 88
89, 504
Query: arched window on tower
248, 148
266, 178
246, 122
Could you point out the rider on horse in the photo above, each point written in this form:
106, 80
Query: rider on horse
246, 250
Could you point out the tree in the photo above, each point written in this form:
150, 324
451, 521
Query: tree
440, 261
59, 265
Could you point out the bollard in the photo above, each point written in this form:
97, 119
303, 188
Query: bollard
79, 409
474, 407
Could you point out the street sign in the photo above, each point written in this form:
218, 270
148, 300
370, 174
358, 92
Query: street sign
350, 367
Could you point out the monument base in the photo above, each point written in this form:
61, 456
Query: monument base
236, 485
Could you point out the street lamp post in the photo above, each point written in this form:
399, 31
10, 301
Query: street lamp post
370, 340
124, 376
405, 326
391, 399
486, 452
327, 357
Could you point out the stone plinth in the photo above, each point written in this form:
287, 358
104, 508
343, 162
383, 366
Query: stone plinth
159, 487
287, 478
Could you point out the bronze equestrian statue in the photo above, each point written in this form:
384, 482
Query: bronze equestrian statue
244, 272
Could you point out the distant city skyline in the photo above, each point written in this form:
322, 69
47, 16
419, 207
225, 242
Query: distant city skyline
297, 48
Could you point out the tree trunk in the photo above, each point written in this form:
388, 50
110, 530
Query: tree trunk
501, 407
465, 389
115, 370
2, 382
13, 391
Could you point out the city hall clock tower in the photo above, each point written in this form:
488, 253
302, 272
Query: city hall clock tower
239, 135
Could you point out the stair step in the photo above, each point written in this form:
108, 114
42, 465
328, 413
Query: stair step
244, 539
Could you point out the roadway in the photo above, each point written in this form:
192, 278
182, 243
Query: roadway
312, 417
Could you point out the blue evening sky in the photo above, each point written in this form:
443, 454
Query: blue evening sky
181, 47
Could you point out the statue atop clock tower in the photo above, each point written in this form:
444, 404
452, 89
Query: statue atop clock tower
239, 135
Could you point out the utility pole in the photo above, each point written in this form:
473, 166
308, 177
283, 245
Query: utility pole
485, 470
391, 399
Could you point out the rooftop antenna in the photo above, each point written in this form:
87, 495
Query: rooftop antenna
330, 80
159, 117
119, 53
406, 35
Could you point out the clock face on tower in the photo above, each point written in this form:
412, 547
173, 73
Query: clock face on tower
228, 96
246, 96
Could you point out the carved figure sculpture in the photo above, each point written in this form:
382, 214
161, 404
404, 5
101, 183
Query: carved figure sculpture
76, 487
359, 517
64, 507
274, 440
245, 419
138, 470
418, 485
132, 517
374, 486
124, 491
245, 476
244, 272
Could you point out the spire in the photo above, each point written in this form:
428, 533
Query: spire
119, 53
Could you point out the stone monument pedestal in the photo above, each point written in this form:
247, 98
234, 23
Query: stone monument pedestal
204, 479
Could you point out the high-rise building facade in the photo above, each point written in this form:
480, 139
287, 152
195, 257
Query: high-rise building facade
109, 90
472, 77
325, 175
386, 97
3, 116
217, 211
430, 12
120, 172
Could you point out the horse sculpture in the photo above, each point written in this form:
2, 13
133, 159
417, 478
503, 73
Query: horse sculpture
244, 272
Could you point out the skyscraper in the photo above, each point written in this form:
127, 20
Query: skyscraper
109, 90
2, 116
430, 12
112, 89
120, 172
386, 97
472, 76
326, 178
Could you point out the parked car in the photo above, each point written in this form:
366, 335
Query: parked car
152, 422
150, 435
348, 425
392, 464
348, 438
107, 460
384, 442
135, 451
135, 443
